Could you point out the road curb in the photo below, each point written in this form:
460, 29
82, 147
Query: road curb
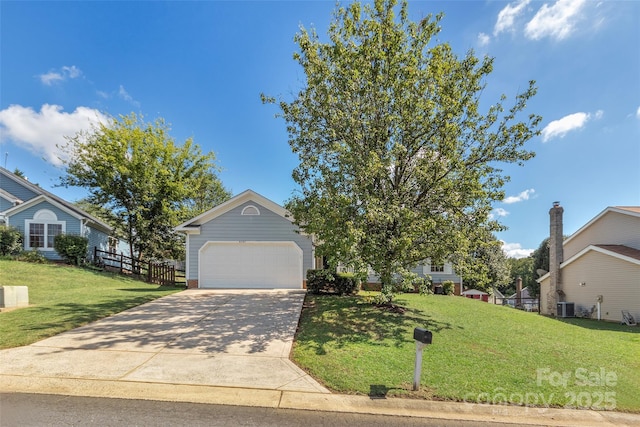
495, 414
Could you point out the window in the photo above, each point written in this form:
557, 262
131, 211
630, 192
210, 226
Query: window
250, 210
437, 268
36, 235
43, 229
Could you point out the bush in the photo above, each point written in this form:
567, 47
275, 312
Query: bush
33, 255
319, 280
448, 287
70, 247
10, 241
323, 280
345, 283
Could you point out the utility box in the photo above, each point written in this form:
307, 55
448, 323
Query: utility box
566, 309
14, 296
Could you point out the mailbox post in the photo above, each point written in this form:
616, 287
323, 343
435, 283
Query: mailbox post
422, 338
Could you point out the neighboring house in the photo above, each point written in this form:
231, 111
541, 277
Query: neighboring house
246, 242
40, 216
597, 266
476, 294
526, 301
439, 273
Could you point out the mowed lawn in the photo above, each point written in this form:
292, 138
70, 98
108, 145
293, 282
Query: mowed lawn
480, 353
64, 297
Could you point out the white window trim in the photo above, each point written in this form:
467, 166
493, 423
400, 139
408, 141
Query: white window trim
244, 210
49, 218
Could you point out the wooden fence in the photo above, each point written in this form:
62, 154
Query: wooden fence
153, 272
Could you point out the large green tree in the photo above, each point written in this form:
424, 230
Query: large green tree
142, 181
397, 161
485, 265
523, 268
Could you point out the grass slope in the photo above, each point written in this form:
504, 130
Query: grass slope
480, 353
63, 297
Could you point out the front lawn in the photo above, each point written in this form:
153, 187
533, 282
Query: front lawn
64, 297
480, 353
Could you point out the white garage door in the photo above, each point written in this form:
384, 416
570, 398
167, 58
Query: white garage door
250, 265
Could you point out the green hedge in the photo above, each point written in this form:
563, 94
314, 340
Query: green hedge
324, 281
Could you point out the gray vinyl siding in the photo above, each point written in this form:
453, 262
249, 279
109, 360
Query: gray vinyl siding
16, 189
436, 277
232, 226
97, 239
5, 204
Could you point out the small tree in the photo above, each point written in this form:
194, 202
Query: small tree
143, 181
10, 240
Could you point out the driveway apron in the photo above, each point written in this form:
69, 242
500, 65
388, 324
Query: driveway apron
229, 338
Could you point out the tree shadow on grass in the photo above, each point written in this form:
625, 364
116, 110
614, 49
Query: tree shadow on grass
343, 321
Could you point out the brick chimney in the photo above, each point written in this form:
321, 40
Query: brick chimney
519, 292
555, 258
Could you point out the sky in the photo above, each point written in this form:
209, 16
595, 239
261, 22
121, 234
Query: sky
202, 65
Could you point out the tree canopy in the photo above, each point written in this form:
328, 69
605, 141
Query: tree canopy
397, 161
142, 182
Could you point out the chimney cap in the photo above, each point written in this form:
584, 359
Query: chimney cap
556, 204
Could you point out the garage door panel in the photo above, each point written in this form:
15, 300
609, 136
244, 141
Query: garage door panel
251, 265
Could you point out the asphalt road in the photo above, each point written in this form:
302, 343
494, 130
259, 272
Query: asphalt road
26, 410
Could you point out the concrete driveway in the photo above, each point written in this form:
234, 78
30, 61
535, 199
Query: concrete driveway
197, 337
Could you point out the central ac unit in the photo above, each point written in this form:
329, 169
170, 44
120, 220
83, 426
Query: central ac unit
566, 309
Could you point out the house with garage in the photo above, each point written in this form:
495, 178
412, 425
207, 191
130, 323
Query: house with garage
40, 216
596, 270
246, 242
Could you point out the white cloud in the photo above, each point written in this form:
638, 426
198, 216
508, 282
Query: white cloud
556, 21
498, 212
56, 76
507, 16
122, 93
525, 195
515, 250
39, 132
483, 39
559, 128
638, 113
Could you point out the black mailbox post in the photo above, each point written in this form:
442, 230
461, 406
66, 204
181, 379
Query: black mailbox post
422, 338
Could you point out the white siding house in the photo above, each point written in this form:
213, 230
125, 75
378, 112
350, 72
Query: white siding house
600, 266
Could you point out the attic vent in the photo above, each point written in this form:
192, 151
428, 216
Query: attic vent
250, 210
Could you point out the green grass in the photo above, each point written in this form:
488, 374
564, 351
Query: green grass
64, 297
480, 353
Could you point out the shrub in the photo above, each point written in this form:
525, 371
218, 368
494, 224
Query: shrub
326, 281
70, 247
448, 287
319, 280
345, 283
10, 241
33, 255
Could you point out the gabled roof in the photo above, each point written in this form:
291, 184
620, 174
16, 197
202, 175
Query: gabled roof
245, 196
50, 197
622, 252
625, 210
9, 197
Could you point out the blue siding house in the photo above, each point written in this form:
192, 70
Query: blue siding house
41, 215
246, 242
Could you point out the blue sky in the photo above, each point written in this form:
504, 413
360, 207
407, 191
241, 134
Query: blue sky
202, 67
